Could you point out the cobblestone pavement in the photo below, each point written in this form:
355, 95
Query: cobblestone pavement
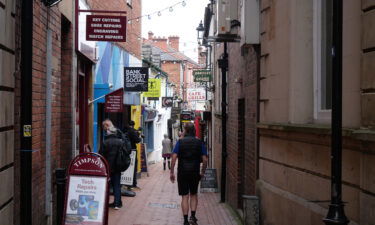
158, 203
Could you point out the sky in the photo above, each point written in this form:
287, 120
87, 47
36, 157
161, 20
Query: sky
182, 21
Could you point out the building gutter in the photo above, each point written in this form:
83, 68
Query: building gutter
26, 112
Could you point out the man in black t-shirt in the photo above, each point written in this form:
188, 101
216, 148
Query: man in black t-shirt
190, 152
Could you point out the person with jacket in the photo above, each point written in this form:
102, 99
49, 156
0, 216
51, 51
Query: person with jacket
135, 138
190, 152
167, 150
111, 145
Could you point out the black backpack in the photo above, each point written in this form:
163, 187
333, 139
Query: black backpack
123, 155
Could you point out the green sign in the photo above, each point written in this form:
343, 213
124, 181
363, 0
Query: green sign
202, 75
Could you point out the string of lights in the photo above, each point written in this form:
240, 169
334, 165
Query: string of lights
158, 12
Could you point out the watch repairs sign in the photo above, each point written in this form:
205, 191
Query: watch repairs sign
106, 28
136, 79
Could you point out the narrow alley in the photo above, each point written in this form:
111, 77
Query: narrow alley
158, 203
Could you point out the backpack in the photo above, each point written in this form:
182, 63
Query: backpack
123, 155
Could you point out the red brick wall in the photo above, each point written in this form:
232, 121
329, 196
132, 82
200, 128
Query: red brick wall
61, 106
241, 80
173, 70
133, 35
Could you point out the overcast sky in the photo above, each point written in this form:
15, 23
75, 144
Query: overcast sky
182, 21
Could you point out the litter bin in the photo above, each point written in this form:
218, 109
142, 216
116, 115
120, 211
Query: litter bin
251, 209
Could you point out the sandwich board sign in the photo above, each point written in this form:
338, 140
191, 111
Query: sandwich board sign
86, 199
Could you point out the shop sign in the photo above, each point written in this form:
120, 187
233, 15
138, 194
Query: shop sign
196, 94
202, 75
114, 101
86, 200
136, 79
167, 101
153, 88
175, 112
106, 28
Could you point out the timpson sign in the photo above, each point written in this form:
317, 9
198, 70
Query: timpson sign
106, 28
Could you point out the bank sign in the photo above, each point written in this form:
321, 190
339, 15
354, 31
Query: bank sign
196, 94
106, 28
202, 75
136, 79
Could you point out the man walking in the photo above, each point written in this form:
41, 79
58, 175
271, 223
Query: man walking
190, 151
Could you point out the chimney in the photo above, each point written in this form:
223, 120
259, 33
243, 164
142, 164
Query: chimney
150, 35
160, 42
174, 42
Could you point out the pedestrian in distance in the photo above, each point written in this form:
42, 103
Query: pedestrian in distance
167, 150
109, 149
135, 138
190, 152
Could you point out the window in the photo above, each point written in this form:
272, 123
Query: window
322, 61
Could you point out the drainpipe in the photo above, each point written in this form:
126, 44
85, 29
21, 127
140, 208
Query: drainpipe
26, 111
48, 184
257, 49
223, 65
336, 213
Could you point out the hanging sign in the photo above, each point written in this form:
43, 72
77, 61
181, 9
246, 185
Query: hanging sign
106, 28
136, 79
114, 101
202, 75
196, 94
153, 88
167, 101
86, 200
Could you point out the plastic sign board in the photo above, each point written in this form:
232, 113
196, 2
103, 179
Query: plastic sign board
86, 200
106, 28
136, 79
196, 94
114, 101
127, 175
202, 75
154, 86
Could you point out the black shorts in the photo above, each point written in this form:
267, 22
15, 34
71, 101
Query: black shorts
188, 183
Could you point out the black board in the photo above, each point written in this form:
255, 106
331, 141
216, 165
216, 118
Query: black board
209, 181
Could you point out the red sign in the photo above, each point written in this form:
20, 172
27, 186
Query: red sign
114, 101
86, 199
106, 28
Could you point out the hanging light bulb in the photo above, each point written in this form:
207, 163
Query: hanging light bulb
159, 13
137, 19
170, 9
129, 22
183, 3
149, 17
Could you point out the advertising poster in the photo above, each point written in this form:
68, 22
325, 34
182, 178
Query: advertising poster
86, 199
136, 79
127, 175
153, 88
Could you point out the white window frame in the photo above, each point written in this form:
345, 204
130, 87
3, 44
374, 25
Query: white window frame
320, 115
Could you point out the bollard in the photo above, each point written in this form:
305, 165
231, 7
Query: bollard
60, 174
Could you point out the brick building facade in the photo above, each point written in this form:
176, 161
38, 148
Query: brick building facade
60, 138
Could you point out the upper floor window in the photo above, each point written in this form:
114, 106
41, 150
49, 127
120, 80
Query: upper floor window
322, 60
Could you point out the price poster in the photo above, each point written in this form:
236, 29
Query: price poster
86, 200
